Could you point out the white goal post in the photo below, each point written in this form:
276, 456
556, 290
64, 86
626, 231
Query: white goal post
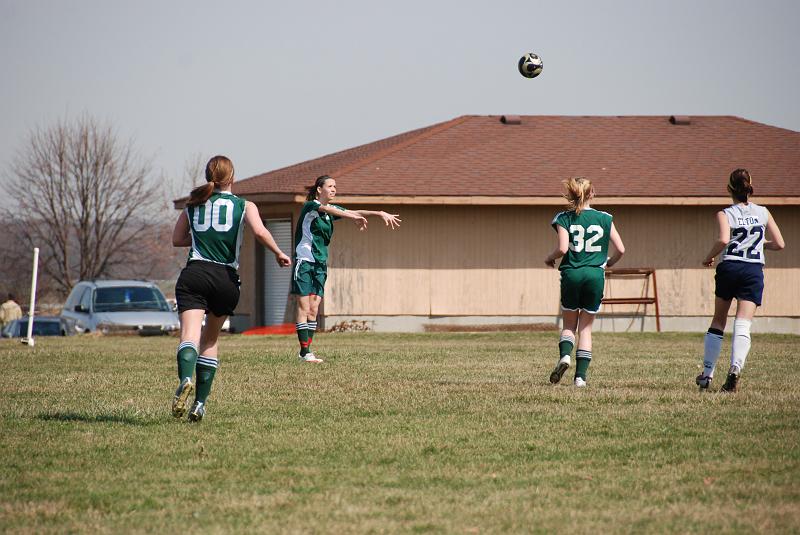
28, 340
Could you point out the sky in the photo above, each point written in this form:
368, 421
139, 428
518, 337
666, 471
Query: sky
271, 84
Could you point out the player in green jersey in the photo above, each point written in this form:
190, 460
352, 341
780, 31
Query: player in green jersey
583, 237
312, 237
208, 287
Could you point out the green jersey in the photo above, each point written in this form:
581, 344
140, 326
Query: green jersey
313, 233
590, 232
216, 228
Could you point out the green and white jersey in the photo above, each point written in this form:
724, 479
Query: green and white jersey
590, 232
216, 228
313, 233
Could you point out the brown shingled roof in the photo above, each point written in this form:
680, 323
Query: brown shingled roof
628, 156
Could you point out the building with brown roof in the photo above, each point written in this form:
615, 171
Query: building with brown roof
477, 194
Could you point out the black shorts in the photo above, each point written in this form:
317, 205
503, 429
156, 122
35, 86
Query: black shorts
742, 280
207, 286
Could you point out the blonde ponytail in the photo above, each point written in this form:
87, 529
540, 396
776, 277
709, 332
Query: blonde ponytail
578, 192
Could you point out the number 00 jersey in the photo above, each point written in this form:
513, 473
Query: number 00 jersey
589, 233
748, 224
216, 228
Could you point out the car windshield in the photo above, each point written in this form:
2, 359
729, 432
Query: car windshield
120, 298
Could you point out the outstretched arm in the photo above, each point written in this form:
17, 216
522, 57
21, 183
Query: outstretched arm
722, 240
253, 219
619, 247
561, 249
391, 220
180, 234
358, 219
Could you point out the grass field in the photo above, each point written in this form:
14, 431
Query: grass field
430, 433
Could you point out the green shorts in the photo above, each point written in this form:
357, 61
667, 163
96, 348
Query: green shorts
582, 288
309, 278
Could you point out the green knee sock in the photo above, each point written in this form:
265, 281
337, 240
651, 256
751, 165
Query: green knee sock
565, 345
302, 336
583, 358
187, 359
206, 368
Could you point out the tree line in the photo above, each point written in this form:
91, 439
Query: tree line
93, 206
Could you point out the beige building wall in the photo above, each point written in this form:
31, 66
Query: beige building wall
488, 261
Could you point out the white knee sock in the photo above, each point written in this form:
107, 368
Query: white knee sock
741, 342
712, 345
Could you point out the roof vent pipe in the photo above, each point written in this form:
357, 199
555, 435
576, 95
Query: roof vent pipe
510, 119
680, 119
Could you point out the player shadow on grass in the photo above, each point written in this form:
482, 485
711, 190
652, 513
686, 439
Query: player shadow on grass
96, 418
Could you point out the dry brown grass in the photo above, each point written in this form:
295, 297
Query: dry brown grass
431, 433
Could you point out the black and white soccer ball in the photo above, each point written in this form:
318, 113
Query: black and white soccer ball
530, 65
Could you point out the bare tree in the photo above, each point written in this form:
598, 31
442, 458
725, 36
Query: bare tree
193, 175
15, 272
85, 199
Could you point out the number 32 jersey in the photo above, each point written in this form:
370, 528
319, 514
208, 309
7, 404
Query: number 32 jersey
589, 233
748, 224
216, 228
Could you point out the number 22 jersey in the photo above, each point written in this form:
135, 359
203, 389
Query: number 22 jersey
748, 224
589, 233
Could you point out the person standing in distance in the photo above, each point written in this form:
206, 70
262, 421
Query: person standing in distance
9, 311
583, 237
211, 224
311, 239
744, 228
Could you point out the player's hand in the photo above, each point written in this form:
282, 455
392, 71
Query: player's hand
361, 222
283, 260
391, 220
708, 262
550, 262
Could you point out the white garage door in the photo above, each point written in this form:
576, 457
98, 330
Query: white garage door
277, 279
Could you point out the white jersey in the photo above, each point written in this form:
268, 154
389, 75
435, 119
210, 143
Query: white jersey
748, 231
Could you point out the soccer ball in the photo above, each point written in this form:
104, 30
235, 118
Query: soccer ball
530, 65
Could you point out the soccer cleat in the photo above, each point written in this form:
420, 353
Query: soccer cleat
309, 357
580, 383
703, 381
559, 370
732, 381
197, 412
181, 400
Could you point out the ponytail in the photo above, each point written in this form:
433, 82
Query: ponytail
318, 183
200, 194
740, 185
219, 173
578, 191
